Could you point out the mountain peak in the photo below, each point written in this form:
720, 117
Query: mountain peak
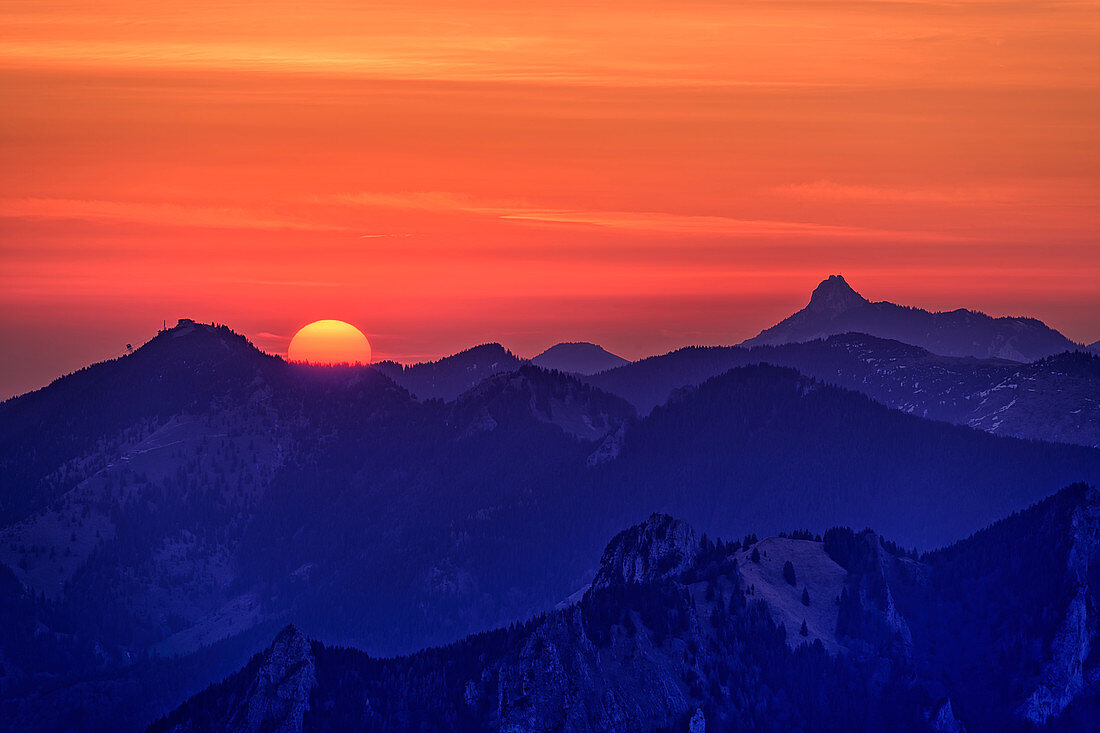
653, 549
834, 295
549, 397
835, 308
578, 357
452, 375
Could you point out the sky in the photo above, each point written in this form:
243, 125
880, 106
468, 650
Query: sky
640, 174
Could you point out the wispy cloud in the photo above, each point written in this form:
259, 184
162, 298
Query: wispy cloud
671, 223
640, 221
798, 43
160, 214
832, 191
266, 336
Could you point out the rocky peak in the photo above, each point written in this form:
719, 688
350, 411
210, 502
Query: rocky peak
278, 695
1066, 675
657, 547
834, 296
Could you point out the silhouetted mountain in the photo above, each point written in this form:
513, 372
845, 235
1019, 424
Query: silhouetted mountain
204, 494
763, 447
1055, 399
578, 358
449, 377
788, 633
1094, 347
835, 308
186, 368
556, 399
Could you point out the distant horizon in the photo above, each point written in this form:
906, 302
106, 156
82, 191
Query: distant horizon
269, 343
280, 289
642, 175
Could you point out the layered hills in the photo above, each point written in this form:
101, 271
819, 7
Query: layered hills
163, 514
680, 632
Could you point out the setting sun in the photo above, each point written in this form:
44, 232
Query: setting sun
329, 342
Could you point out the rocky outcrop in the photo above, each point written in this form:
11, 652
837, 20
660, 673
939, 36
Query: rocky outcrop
609, 449
271, 694
658, 547
1065, 676
834, 296
278, 697
562, 681
945, 720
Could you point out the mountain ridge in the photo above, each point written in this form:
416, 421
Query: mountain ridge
836, 308
706, 628
450, 376
265, 492
1056, 398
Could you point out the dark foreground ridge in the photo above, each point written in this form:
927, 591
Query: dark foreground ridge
845, 632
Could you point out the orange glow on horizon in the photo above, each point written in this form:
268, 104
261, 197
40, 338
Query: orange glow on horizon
329, 342
644, 174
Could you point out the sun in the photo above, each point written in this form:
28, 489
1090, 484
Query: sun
329, 342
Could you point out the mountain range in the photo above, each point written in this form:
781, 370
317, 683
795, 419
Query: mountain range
1056, 398
836, 308
164, 514
1041, 386
681, 632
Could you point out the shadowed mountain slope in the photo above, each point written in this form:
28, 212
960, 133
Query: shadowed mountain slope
721, 455
1057, 398
706, 637
450, 376
234, 493
557, 399
186, 368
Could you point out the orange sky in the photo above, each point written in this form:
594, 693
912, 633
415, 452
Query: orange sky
642, 174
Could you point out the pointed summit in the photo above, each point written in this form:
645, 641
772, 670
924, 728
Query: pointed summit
834, 295
835, 308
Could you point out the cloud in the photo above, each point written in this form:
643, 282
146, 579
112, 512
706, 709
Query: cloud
669, 223
160, 214
825, 190
266, 336
641, 221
